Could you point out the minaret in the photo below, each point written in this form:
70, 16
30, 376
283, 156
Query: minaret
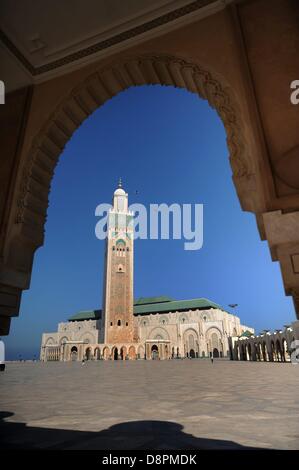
118, 282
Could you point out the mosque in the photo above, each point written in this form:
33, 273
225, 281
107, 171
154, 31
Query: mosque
145, 328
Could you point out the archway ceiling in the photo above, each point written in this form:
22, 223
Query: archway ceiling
48, 42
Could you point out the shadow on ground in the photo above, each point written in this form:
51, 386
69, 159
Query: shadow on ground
132, 435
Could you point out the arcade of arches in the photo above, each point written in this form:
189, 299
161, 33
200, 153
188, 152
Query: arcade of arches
244, 71
278, 346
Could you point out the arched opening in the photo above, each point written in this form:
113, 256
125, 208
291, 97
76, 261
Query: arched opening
176, 72
106, 353
88, 354
154, 352
192, 353
141, 352
216, 352
279, 351
243, 352
115, 354
74, 353
132, 353
219, 347
123, 353
214, 344
97, 354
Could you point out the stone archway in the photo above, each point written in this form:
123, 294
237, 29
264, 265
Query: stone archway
141, 352
132, 353
214, 338
154, 352
88, 354
97, 354
252, 157
31, 194
269, 186
106, 353
191, 342
74, 353
192, 353
115, 353
279, 353
123, 353
216, 352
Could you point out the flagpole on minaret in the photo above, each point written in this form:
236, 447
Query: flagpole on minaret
120, 182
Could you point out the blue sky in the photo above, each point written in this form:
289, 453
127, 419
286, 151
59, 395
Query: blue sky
168, 146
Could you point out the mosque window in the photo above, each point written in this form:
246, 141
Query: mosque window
183, 318
111, 324
119, 323
120, 268
126, 323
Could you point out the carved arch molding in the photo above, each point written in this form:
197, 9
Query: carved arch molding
32, 198
26, 229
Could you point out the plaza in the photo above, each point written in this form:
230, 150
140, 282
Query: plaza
175, 404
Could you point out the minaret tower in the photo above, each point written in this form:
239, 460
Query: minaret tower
118, 282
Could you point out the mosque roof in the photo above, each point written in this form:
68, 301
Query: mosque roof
152, 300
173, 306
146, 305
246, 334
86, 315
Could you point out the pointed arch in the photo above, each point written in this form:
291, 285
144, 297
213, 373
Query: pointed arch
35, 181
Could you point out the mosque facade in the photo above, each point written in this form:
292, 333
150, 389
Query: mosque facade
145, 328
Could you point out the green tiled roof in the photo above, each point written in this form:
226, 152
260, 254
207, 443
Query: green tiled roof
247, 334
174, 305
152, 300
145, 305
86, 315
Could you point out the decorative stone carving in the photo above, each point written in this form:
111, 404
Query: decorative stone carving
34, 187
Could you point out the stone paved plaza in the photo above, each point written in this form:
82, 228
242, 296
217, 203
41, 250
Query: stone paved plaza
180, 404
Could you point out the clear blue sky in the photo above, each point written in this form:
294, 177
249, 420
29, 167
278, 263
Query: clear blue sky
170, 146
